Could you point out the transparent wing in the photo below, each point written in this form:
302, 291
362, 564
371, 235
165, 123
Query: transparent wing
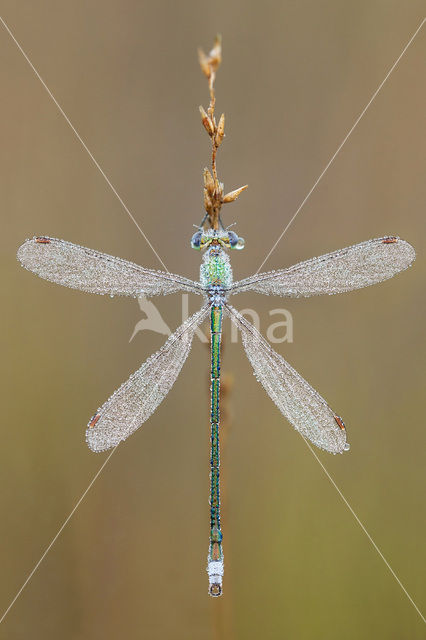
136, 399
303, 407
352, 268
88, 270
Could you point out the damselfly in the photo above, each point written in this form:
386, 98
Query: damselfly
132, 404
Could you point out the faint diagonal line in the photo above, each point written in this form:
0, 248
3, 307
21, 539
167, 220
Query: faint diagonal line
52, 542
84, 145
364, 529
333, 157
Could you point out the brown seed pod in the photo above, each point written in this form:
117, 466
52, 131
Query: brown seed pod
208, 124
233, 195
220, 132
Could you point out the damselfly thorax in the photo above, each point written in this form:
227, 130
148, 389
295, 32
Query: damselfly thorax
216, 274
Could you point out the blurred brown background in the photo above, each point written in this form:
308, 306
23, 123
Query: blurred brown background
131, 562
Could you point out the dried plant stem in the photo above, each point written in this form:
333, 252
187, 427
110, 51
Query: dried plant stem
210, 111
213, 188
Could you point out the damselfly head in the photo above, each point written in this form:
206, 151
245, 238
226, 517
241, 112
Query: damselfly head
226, 239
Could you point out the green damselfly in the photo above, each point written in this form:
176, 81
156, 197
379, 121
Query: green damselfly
132, 404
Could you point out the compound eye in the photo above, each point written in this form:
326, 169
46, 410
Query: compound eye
233, 238
196, 240
235, 241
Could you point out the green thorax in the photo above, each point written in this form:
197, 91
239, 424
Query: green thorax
216, 268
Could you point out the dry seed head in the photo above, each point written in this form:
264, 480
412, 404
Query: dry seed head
209, 63
208, 181
215, 55
220, 131
233, 195
213, 189
204, 63
208, 124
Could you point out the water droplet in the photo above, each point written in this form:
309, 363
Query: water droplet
347, 446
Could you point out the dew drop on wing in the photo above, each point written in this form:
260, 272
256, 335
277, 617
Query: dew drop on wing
347, 446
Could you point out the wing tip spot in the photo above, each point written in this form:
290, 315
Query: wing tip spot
390, 240
93, 420
42, 240
340, 422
